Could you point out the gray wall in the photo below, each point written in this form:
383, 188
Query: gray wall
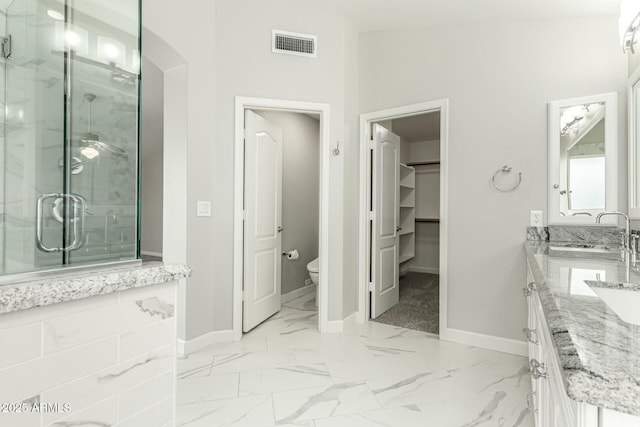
350, 145
300, 193
151, 204
498, 86
152, 156
218, 72
494, 120
247, 67
207, 295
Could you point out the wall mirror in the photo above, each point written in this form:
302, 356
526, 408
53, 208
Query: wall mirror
634, 145
583, 159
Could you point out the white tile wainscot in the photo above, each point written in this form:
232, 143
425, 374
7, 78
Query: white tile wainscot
110, 358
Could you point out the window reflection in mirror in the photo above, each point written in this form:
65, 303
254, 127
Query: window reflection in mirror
582, 159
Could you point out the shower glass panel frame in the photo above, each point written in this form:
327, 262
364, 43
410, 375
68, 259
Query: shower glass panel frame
70, 163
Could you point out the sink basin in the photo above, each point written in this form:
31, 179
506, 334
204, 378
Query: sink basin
599, 249
579, 250
623, 299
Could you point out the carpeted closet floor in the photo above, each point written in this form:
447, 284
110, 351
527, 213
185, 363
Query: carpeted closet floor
418, 308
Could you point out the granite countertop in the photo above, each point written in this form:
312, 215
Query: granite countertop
598, 352
77, 285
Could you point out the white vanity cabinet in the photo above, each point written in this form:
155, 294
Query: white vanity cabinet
549, 401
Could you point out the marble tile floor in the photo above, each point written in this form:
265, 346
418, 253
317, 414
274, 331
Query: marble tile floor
284, 373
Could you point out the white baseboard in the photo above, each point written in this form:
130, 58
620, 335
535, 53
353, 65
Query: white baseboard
504, 345
334, 327
350, 322
430, 270
339, 326
159, 254
203, 341
298, 293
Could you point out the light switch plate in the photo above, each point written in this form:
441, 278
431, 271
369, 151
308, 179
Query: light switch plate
204, 208
537, 218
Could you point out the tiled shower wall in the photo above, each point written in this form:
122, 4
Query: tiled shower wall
109, 359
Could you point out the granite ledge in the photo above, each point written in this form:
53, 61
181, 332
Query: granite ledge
73, 286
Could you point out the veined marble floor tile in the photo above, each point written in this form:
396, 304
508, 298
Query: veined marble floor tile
286, 322
235, 363
365, 369
284, 373
205, 388
450, 385
251, 411
410, 416
248, 344
332, 348
284, 378
320, 402
499, 408
306, 302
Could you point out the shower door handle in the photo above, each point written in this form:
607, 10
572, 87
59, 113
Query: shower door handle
79, 205
40, 222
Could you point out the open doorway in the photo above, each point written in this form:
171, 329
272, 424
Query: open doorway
418, 211
151, 161
281, 203
403, 230
281, 213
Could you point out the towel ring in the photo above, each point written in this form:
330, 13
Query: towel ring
506, 170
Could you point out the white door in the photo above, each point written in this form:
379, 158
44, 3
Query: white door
263, 220
386, 205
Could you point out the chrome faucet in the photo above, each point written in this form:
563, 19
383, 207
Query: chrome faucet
629, 244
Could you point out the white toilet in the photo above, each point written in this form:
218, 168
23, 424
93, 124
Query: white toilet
314, 272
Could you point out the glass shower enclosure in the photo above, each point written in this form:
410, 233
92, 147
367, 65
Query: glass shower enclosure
69, 147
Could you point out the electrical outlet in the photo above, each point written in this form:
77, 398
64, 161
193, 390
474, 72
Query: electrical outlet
537, 218
308, 282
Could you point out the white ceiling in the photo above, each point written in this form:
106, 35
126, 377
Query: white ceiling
379, 15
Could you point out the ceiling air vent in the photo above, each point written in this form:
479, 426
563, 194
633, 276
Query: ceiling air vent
294, 43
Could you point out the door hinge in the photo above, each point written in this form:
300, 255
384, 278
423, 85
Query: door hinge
6, 44
371, 287
371, 216
244, 296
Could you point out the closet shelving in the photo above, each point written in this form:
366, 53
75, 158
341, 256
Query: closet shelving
424, 163
429, 220
407, 213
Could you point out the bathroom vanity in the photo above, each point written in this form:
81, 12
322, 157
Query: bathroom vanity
97, 348
584, 360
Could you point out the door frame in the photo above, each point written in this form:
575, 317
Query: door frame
364, 239
248, 103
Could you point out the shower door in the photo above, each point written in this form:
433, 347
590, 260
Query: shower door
103, 128
70, 147
33, 140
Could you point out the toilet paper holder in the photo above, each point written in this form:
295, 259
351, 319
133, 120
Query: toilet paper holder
292, 255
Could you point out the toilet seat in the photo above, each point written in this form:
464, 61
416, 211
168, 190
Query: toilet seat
314, 266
